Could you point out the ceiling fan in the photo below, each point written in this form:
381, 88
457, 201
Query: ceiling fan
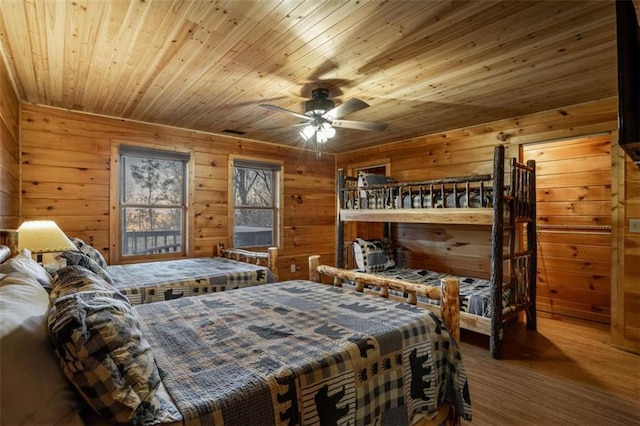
321, 116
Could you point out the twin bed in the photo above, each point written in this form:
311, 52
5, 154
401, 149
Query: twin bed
171, 279
503, 203
293, 352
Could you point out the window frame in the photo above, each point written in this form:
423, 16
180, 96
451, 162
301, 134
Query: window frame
277, 194
117, 207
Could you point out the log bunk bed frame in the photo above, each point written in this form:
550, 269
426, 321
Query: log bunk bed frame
513, 214
268, 259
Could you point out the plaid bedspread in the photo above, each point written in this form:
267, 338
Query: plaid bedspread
475, 293
165, 280
299, 352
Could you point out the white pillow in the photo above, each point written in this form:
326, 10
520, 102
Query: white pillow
23, 263
5, 253
34, 390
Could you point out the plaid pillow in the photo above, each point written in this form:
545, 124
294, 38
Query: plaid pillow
369, 199
102, 351
80, 259
90, 251
373, 255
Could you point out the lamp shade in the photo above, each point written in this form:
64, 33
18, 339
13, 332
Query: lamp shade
43, 236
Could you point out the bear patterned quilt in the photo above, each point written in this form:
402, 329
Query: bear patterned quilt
171, 279
475, 293
299, 352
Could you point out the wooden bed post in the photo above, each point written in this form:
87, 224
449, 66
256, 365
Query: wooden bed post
272, 261
314, 275
339, 223
532, 322
497, 242
450, 306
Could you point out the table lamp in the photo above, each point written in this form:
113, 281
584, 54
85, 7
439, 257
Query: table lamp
42, 236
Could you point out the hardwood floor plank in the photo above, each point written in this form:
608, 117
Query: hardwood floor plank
565, 373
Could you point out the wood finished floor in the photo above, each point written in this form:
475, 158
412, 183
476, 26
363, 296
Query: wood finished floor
566, 373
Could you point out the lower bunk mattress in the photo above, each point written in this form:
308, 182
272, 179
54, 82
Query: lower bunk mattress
172, 279
475, 293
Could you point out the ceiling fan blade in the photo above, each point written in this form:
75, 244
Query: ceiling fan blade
352, 105
277, 108
359, 125
283, 127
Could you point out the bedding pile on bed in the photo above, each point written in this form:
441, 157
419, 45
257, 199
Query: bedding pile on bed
303, 353
102, 351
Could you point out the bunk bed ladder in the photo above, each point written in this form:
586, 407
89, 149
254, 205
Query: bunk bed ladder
523, 263
532, 246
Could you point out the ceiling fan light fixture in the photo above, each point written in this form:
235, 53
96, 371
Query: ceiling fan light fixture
321, 117
321, 137
328, 130
307, 132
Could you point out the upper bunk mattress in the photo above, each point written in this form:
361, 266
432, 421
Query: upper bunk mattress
171, 279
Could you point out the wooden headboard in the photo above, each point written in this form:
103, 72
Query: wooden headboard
268, 259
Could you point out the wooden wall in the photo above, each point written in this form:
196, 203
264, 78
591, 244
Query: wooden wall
574, 226
9, 151
65, 177
465, 249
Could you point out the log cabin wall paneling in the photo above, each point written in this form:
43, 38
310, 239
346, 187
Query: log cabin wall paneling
65, 177
464, 249
9, 151
573, 183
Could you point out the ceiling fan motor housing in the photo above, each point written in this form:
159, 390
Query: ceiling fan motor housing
319, 102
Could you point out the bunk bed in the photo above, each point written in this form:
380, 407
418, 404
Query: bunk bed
508, 208
300, 352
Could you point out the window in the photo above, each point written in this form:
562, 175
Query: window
152, 201
256, 212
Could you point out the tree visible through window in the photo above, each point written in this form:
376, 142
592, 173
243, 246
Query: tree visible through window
152, 201
255, 203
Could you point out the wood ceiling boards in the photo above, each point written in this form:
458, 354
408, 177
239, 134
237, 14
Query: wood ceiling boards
423, 66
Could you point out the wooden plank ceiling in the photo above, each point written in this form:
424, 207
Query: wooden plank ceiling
423, 66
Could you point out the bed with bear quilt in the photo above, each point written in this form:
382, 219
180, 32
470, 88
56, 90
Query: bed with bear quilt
171, 279
294, 352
